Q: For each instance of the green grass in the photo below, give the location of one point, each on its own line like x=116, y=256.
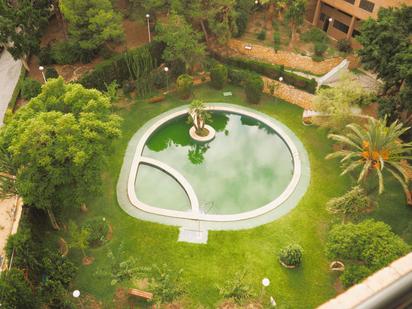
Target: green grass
x=227, y=252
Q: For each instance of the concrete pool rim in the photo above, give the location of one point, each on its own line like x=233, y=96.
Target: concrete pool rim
x=282, y=204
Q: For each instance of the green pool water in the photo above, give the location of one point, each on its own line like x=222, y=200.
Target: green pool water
x=245, y=166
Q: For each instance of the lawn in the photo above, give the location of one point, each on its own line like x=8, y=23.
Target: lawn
x=206, y=266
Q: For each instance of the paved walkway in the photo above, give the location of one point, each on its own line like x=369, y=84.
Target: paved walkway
x=9, y=75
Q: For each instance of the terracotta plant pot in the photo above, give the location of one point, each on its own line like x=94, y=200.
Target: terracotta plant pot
x=337, y=266
x=287, y=266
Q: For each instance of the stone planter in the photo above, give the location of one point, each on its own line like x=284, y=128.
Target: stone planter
x=287, y=266
x=211, y=134
x=337, y=266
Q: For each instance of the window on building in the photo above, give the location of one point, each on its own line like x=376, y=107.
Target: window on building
x=350, y=1
x=322, y=16
x=344, y=13
x=355, y=33
x=367, y=5
x=340, y=26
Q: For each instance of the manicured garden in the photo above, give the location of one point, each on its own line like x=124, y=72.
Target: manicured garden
x=205, y=267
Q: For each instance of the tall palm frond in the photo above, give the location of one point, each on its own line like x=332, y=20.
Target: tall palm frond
x=375, y=147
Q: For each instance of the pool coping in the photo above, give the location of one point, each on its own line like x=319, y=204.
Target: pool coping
x=195, y=218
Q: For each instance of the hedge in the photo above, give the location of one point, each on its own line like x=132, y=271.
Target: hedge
x=272, y=71
x=115, y=68
x=17, y=89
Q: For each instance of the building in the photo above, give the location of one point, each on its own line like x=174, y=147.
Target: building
x=341, y=19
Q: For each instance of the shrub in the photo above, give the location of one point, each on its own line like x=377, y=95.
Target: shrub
x=237, y=76
x=319, y=48
x=261, y=35
x=272, y=71
x=241, y=23
x=98, y=228
x=184, y=84
x=31, y=88
x=236, y=288
x=116, y=68
x=314, y=35
x=344, y=45
x=127, y=87
x=16, y=290
x=354, y=274
x=160, y=79
x=166, y=284
x=218, y=76
x=351, y=204
x=65, y=52
x=370, y=242
x=45, y=56
x=51, y=73
x=276, y=41
x=291, y=255
x=253, y=88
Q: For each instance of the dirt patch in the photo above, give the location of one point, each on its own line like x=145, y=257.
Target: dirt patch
x=87, y=260
x=109, y=235
x=88, y=301
x=338, y=286
x=120, y=298
x=229, y=304
x=286, y=58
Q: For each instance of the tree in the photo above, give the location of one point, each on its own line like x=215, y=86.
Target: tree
x=198, y=115
x=388, y=52
x=79, y=237
x=295, y=15
x=16, y=292
x=384, y=40
x=58, y=144
x=274, y=6
x=373, y=149
x=237, y=288
x=338, y=102
x=370, y=243
x=21, y=25
x=182, y=42
x=91, y=23
x=349, y=205
x=215, y=16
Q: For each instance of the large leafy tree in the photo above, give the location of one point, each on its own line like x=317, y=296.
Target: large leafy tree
x=182, y=42
x=21, y=25
x=387, y=50
x=374, y=148
x=58, y=143
x=91, y=23
x=16, y=292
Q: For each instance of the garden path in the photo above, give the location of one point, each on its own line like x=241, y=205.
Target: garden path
x=9, y=76
x=288, y=59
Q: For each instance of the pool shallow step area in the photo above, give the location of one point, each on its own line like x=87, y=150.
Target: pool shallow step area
x=253, y=172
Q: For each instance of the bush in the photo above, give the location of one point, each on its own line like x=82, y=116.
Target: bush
x=344, y=46
x=65, y=52
x=116, y=68
x=351, y=204
x=218, y=76
x=98, y=228
x=236, y=288
x=291, y=255
x=45, y=56
x=31, y=88
x=127, y=87
x=51, y=73
x=160, y=79
x=314, y=35
x=276, y=41
x=272, y=71
x=241, y=23
x=184, y=84
x=354, y=274
x=253, y=88
x=261, y=35
x=371, y=243
x=238, y=76
x=319, y=48
x=16, y=291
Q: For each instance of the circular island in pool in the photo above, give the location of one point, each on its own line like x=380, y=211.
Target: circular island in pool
x=253, y=171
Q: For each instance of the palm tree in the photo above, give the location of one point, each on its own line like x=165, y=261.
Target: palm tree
x=198, y=115
x=373, y=148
